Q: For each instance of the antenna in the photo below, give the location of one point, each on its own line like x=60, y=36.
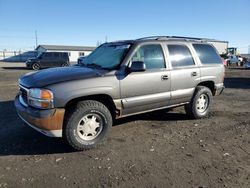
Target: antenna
x=36, y=37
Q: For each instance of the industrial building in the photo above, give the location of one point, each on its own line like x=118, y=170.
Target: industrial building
x=221, y=46
x=73, y=51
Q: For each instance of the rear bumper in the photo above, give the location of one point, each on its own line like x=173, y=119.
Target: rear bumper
x=48, y=122
x=219, y=88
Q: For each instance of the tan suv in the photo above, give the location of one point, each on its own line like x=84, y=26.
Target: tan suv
x=120, y=79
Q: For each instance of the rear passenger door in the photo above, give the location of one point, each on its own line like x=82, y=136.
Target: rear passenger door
x=185, y=74
x=46, y=60
x=57, y=60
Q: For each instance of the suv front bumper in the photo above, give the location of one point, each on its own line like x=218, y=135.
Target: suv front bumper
x=49, y=122
x=28, y=64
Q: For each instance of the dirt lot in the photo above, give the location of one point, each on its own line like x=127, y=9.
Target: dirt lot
x=157, y=149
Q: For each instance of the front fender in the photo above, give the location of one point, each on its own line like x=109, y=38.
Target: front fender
x=66, y=91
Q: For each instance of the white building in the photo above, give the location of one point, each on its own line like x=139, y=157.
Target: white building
x=73, y=51
x=221, y=46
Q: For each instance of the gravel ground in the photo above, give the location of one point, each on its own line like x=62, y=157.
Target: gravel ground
x=159, y=149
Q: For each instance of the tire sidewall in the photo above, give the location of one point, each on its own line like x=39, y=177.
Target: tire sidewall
x=64, y=65
x=199, y=92
x=70, y=129
x=32, y=66
x=102, y=134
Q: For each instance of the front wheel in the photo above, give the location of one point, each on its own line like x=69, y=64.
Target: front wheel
x=87, y=125
x=200, y=104
x=36, y=66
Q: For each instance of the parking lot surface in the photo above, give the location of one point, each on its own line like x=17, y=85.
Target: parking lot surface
x=159, y=149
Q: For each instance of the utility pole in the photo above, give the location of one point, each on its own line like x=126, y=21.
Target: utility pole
x=106, y=38
x=36, y=37
x=248, y=49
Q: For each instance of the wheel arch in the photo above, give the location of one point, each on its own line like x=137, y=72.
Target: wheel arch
x=208, y=84
x=102, y=98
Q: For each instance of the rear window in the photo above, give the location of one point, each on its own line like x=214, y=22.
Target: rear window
x=207, y=54
x=65, y=54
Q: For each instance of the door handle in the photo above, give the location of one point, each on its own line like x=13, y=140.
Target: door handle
x=194, y=74
x=164, y=77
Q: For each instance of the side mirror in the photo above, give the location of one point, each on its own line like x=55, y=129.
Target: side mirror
x=137, y=66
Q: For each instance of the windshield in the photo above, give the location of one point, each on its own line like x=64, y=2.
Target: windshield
x=39, y=55
x=107, y=56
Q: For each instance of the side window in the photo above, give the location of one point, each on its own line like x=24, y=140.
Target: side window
x=48, y=55
x=56, y=55
x=207, y=54
x=151, y=55
x=180, y=56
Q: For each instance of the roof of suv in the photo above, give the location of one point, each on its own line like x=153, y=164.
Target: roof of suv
x=168, y=38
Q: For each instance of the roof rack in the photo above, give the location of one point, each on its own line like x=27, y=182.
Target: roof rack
x=171, y=37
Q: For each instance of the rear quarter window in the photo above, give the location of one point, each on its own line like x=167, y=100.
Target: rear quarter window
x=207, y=54
x=180, y=56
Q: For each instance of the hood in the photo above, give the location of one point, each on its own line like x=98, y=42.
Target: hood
x=55, y=75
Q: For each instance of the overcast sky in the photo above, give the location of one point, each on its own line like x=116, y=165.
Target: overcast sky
x=79, y=22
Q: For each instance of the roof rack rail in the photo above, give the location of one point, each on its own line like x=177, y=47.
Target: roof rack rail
x=151, y=37
x=171, y=37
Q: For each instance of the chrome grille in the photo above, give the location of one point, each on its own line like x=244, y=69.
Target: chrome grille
x=24, y=94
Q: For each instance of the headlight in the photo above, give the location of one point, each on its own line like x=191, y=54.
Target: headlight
x=41, y=98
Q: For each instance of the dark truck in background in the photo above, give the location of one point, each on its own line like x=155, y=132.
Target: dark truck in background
x=119, y=79
x=48, y=59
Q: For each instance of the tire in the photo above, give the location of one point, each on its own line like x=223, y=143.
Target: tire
x=87, y=125
x=36, y=66
x=200, y=104
x=64, y=64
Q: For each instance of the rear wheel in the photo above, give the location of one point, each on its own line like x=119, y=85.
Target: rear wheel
x=64, y=64
x=36, y=66
x=87, y=125
x=200, y=104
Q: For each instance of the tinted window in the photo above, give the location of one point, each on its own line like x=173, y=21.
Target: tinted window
x=180, y=56
x=48, y=55
x=56, y=55
x=151, y=55
x=207, y=54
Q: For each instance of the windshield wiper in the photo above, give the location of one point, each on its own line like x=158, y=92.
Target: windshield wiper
x=93, y=65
